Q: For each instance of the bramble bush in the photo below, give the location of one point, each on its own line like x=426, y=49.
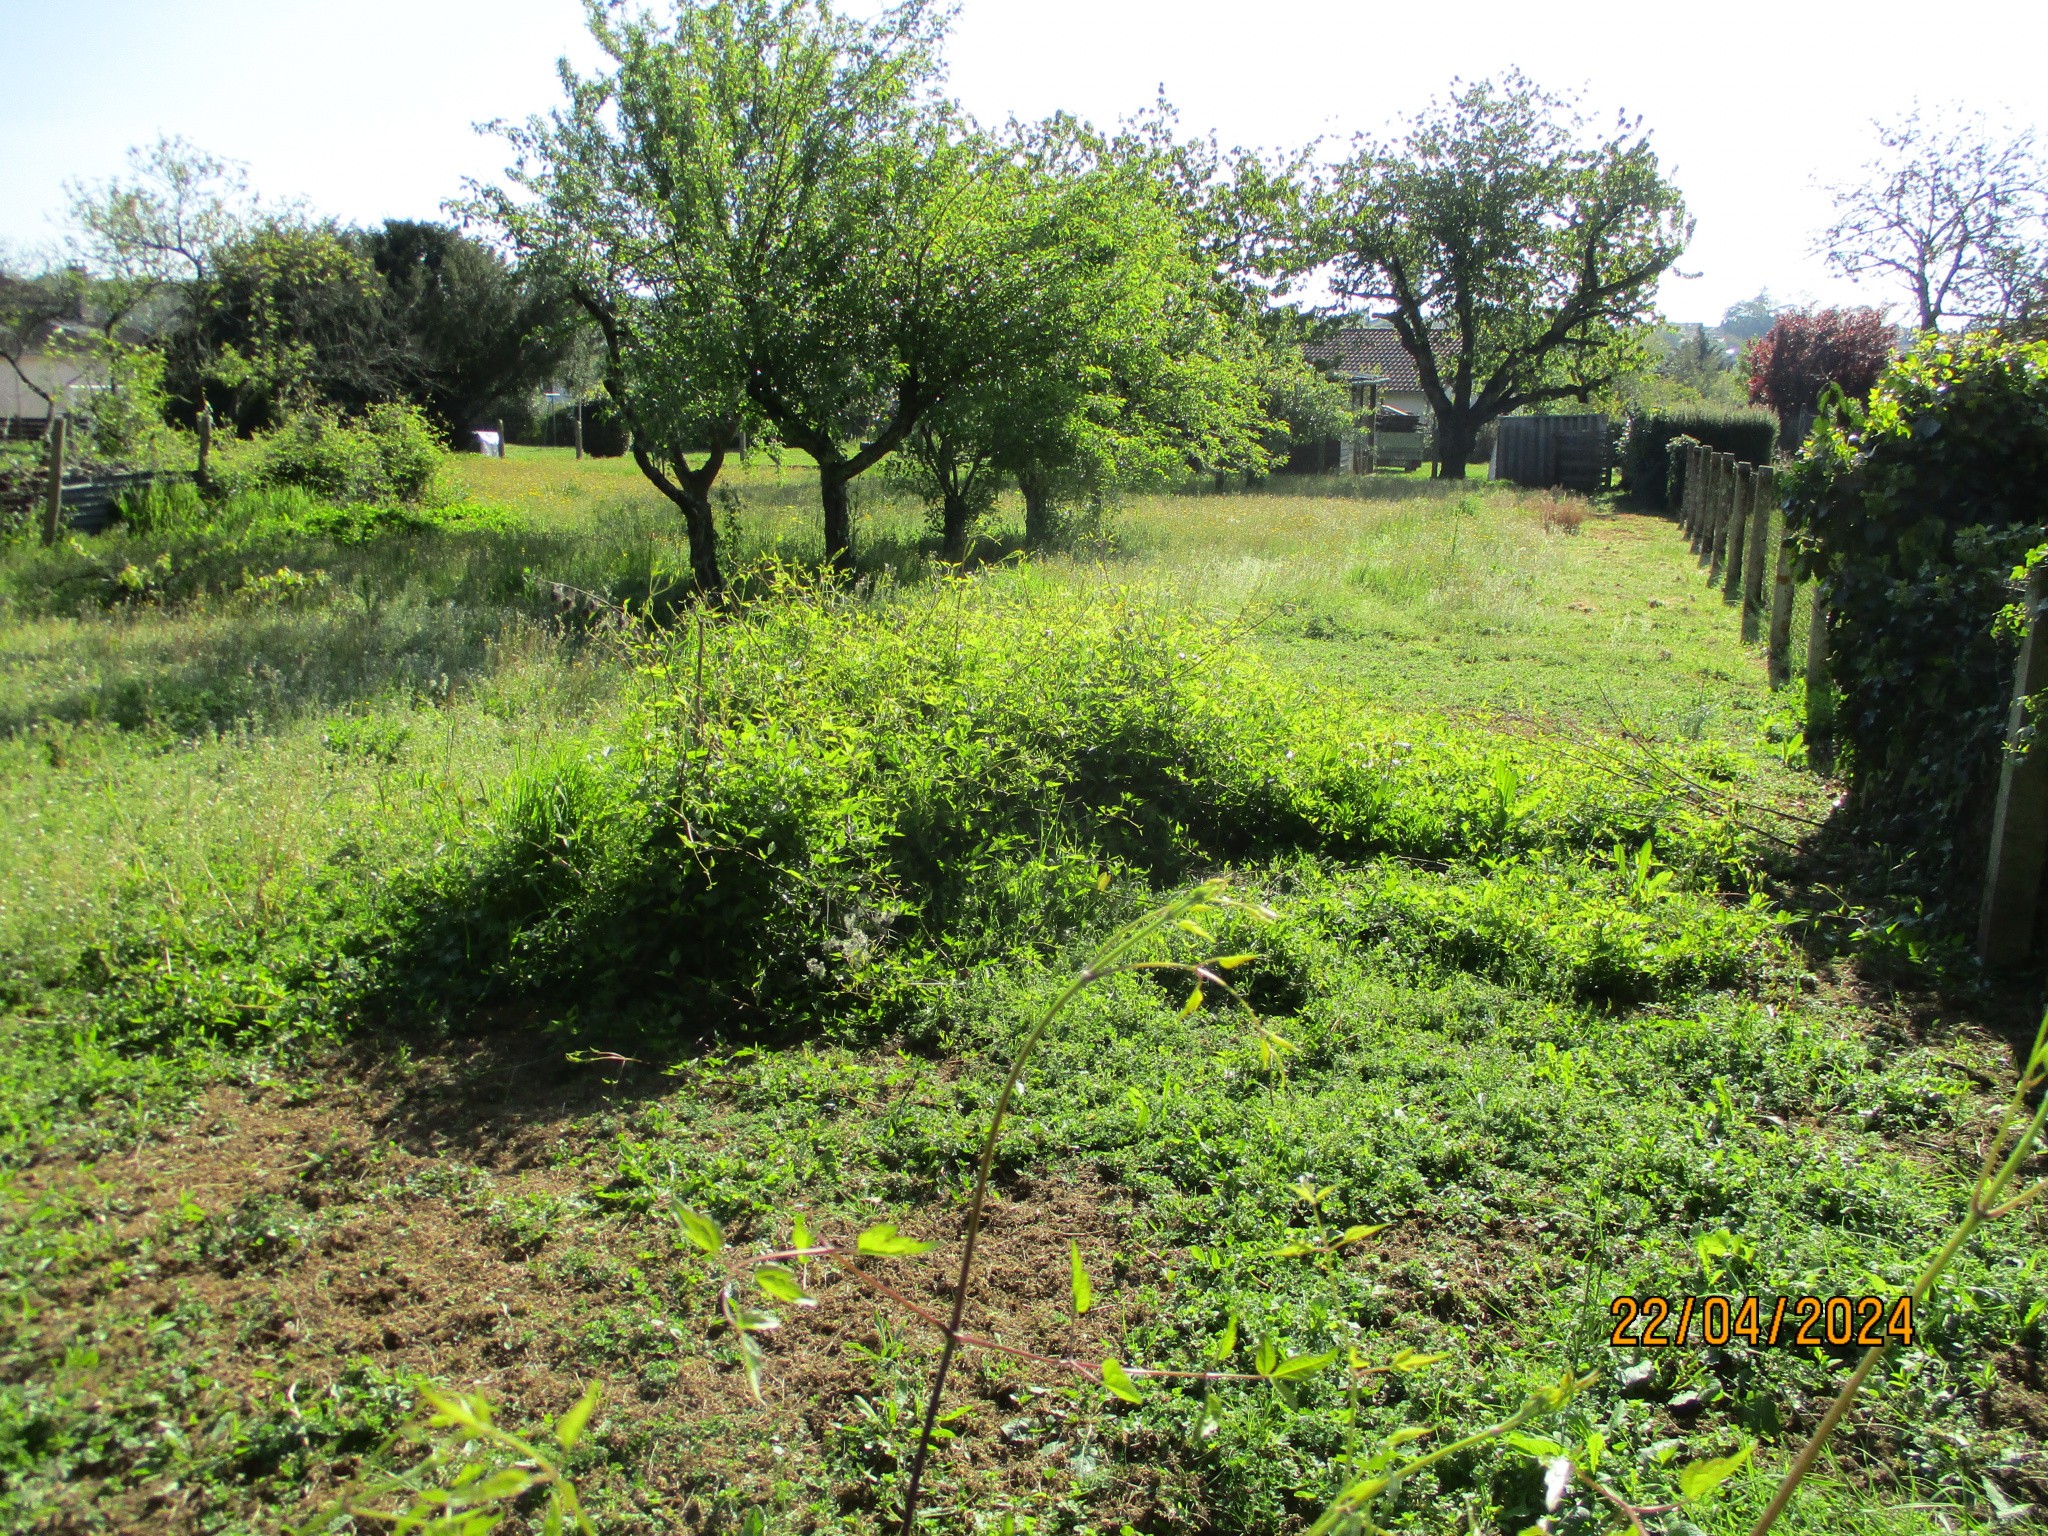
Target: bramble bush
x=854, y=803
x=1917, y=509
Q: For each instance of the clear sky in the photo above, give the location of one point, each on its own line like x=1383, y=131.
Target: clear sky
x=366, y=108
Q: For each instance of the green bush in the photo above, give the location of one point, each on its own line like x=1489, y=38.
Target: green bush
x=390, y=453
x=1645, y=456
x=1916, y=508
x=878, y=801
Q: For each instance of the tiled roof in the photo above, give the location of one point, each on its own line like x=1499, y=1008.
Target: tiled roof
x=1373, y=350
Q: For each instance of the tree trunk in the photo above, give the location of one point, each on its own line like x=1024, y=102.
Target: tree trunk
x=953, y=523
x=694, y=502
x=1453, y=447
x=833, y=480
x=1038, y=516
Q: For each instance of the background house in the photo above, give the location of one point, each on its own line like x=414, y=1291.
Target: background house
x=1368, y=358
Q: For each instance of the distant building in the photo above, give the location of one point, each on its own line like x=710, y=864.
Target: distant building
x=1391, y=414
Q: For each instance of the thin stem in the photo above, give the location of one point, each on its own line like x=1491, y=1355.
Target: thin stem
x=1995, y=1174
x=1108, y=961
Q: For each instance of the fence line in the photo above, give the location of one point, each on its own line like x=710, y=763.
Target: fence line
x=1729, y=511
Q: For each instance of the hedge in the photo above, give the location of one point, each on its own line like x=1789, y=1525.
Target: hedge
x=1645, y=471
x=1919, y=509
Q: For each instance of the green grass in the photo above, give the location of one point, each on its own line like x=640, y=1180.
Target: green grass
x=393, y=944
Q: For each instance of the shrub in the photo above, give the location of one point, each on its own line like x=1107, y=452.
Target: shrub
x=874, y=804
x=1916, y=509
x=391, y=453
x=1805, y=351
x=1646, y=463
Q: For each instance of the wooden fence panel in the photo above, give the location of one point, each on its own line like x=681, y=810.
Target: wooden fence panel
x=1545, y=451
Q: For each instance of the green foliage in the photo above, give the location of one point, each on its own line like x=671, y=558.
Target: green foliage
x=861, y=809
x=1916, y=511
x=1652, y=474
x=1518, y=247
x=390, y=453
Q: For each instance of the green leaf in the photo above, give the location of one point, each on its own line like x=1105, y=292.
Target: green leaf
x=1268, y=1357
x=1401, y=1437
x=1077, y=1274
x=1296, y=1366
x=781, y=1284
x=1533, y=1445
x=882, y=1241
x=1118, y=1380
x=506, y=1484
x=1410, y=1360
x=1194, y=1001
x=750, y=1362
x=1700, y=1478
x=570, y=1429
x=700, y=1230
x=1359, y=1234
x=800, y=1237
x=1232, y=962
x=1226, y=1342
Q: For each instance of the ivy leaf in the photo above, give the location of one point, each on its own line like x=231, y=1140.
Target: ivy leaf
x=882, y=1241
x=1118, y=1380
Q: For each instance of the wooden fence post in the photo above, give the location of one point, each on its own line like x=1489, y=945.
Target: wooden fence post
x=1754, y=549
x=1739, y=503
x=53, y=492
x=2019, y=825
x=1820, y=698
x=1778, y=652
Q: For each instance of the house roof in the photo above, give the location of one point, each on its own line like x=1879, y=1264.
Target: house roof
x=1371, y=353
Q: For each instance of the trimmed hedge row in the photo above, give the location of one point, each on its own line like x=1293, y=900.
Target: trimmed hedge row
x=1920, y=508
x=1645, y=460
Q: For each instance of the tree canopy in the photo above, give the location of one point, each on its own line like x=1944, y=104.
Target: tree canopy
x=1515, y=249
x=1952, y=210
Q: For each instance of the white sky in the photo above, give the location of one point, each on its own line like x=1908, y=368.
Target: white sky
x=365, y=107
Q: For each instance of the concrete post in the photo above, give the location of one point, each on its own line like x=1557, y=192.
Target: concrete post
x=2019, y=824
x=1739, y=505
x=1778, y=653
x=1763, y=493
x=1820, y=697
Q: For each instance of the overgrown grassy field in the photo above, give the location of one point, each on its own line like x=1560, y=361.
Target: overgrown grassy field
x=405, y=918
